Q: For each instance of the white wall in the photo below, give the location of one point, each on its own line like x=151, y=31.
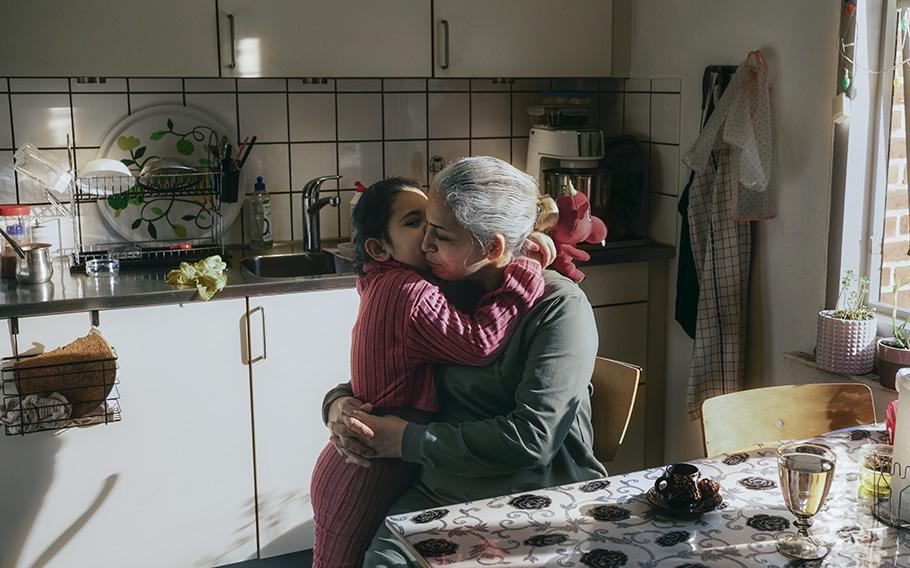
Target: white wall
x=799, y=40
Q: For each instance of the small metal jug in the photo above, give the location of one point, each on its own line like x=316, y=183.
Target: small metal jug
x=36, y=266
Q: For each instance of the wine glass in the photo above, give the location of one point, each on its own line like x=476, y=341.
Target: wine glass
x=806, y=471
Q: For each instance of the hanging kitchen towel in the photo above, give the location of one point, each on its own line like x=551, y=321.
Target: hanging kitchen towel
x=742, y=122
x=721, y=244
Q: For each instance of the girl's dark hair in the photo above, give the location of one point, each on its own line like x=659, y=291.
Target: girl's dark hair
x=371, y=215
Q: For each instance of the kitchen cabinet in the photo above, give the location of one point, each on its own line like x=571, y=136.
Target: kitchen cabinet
x=171, y=484
x=108, y=38
x=311, y=38
x=525, y=38
x=300, y=347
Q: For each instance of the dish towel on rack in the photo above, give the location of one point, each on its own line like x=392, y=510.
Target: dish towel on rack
x=731, y=160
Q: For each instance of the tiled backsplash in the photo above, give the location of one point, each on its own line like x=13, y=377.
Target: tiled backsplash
x=363, y=129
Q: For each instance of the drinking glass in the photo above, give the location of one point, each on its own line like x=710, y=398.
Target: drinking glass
x=806, y=471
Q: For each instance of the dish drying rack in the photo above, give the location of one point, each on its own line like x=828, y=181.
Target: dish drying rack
x=154, y=194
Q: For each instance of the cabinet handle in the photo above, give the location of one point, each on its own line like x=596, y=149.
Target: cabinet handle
x=445, y=44
x=233, y=62
x=264, y=355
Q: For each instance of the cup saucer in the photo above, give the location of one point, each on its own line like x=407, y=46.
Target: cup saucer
x=704, y=505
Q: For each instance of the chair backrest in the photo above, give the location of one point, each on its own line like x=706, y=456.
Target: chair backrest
x=615, y=386
x=743, y=419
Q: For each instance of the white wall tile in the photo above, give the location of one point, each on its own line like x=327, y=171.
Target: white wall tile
x=39, y=85
x=43, y=120
x=405, y=115
x=482, y=85
x=359, y=116
x=521, y=124
x=490, y=114
x=637, y=115
x=344, y=213
x=448, y=84
x=310, y=161
x=139, y=101
x=261, y=85
x=233, y=234
x=111, y=85
x=520, y=153
x=449, y=115
x=354, y=85
x=408, y=159
x=637, y=85
x=6, y=133
x=359, y=161
x=665, y=118
x=404, y=85
x=666, y=85
x=535, y=85
x=662, y=218
x=450, y=150
x=210, y=85
x=84, y=156
x=274, y=167
x=7, y=178
x=264, y=115
x=94, y=115
x=299, y=86
x=611, y=84
x=33, y=192
x=4, y=85
x=220, y=105
x=312, y=117
x=497, y=147
x=664, y=169
x=281, y=216
x=173, y=85
x=611, y=113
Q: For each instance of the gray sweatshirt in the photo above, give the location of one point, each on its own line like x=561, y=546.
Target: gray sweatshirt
x=523, y=422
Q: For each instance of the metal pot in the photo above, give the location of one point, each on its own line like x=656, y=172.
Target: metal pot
x=593, y=183
x=36, y=266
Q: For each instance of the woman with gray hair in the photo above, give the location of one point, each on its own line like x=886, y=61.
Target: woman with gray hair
x=523, y=422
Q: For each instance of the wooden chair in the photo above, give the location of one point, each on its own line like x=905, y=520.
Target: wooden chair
x=741, y=420
x=615, y=386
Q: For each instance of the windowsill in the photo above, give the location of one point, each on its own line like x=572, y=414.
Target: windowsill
x=808, y=360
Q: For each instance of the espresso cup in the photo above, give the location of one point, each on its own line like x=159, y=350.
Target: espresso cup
x=678, y=486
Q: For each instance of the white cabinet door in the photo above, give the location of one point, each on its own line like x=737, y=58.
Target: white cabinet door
x=307, y=351
x=316, y=38
x=108, y=38
x=171, y=484
x=523, y=38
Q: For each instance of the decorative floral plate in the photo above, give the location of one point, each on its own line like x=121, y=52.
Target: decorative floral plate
x=167, y=131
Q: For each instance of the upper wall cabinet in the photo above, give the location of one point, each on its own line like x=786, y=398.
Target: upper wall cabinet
x=525, y=38
x=318, y=38
x=108, y=38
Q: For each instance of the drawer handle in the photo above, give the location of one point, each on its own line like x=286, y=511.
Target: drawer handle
x=233, y=63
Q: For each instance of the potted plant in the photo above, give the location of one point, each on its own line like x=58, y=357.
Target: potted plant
x=845, y=342
x=894, y=352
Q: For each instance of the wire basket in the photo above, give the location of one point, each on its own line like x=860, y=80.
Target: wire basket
x=889, y=508
x=57, y=396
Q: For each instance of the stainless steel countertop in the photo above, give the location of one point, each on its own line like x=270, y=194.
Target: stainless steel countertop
x=69, y=292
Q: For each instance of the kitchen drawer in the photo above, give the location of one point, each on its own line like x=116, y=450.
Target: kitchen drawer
x=615, y=283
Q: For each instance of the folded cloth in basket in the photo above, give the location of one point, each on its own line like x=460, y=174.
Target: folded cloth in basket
x=35, y=413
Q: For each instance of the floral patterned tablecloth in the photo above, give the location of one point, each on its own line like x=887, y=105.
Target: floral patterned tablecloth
x=608, y=523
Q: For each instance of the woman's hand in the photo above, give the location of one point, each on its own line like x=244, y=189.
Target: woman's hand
x=388, y=432
x=540, y=247
x=348, y=431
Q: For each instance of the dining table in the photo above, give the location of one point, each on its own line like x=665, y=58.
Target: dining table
x=609, y=523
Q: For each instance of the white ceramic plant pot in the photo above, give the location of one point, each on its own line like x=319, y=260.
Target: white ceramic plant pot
x=845, y=347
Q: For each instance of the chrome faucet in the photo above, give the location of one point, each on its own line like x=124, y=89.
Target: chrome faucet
x=312, y=203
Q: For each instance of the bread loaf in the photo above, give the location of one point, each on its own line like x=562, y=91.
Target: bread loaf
x=82, y=371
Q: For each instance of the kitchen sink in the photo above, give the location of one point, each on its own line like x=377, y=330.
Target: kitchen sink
x=290, y=265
